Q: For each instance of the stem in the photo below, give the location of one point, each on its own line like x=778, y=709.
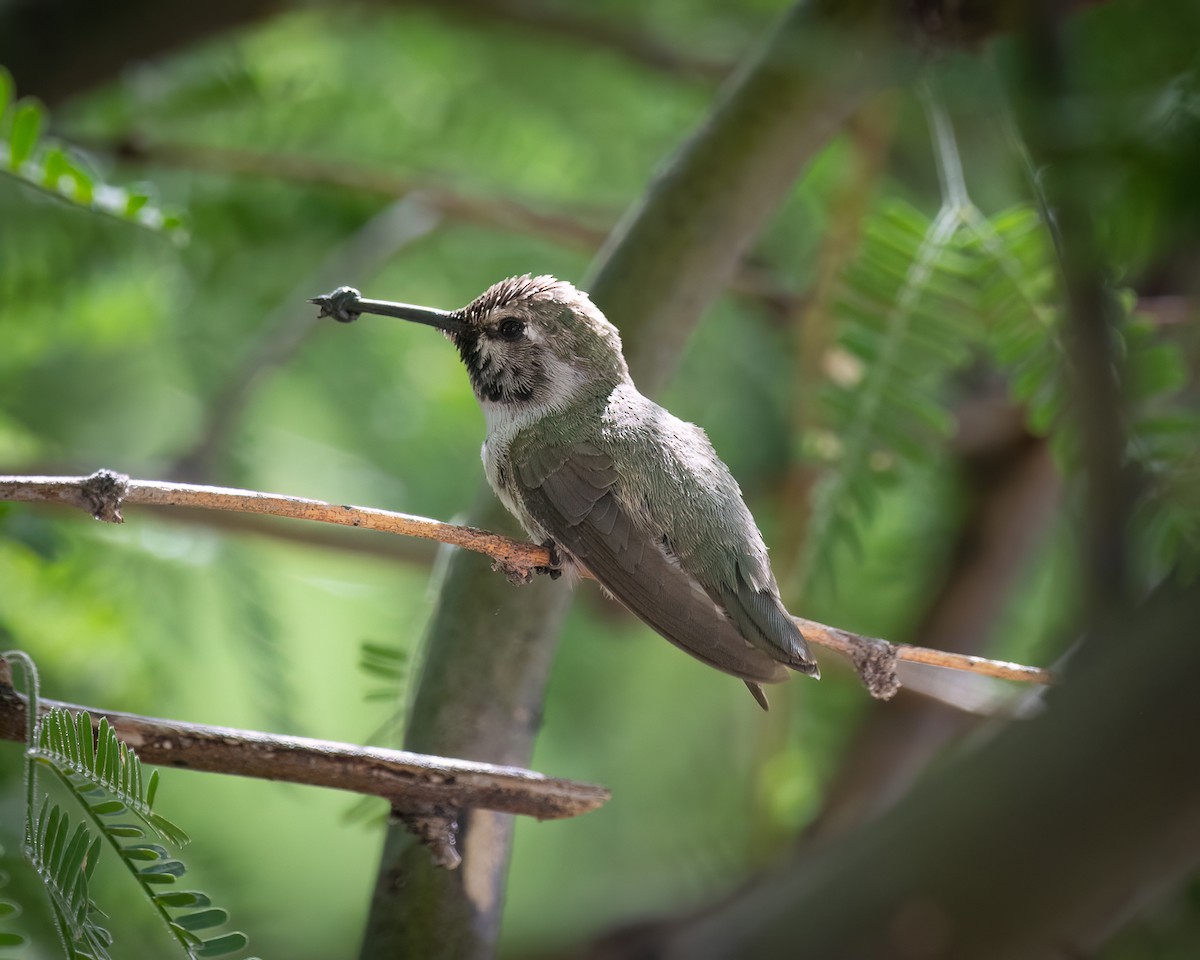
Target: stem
x=31, y=679
x=945, y=152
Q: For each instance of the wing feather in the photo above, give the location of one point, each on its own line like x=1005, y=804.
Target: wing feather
x=571, y=491
x=761, y=618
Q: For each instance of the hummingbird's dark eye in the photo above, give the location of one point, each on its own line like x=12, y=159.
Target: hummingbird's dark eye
x=511, y=329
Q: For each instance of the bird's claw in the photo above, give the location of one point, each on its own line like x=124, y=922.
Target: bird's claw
x=553, y=569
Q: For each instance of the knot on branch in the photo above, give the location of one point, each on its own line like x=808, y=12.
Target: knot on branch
x=875, y=662
x=437, y=829
x=520, y=568
x=338, y=304
x=102, y=494
x=518, y=573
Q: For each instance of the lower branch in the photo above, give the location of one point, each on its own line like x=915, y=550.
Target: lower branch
x=415, y=784
x=104, y=493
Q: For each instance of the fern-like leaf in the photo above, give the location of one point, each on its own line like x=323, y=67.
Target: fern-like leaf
x=106, y=777
x=902, y=329
x=1019, y=302
x=102, y=769
x=65, y=860
x=386, y=664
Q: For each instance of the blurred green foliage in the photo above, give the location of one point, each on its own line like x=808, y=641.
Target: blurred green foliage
x=117, y=343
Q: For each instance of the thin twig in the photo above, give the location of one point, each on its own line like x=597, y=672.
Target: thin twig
x=105, y=492
x=409, y=781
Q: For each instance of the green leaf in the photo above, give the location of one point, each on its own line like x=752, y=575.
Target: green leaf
x=127, y=831
x=162, y=871
x=26, y=128
x=93, y=857
x=182, y=899
x=204, y=919
x=173, y=833
x=109, y=807
x=73, y=860
x=189, y=940
x=220, y=946
x=54, y=167
x=80, y=186
x=134, y=202
x=152, y=788
x=145, y=851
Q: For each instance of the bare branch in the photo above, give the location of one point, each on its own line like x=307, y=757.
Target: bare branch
x=411, y=782
x=104, y=493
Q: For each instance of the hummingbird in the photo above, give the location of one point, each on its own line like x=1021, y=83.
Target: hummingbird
x=609, y=480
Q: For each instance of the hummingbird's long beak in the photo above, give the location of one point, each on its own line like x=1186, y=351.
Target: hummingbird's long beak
x=346, y=305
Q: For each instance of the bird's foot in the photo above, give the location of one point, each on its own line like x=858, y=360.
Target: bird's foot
x=554, y=569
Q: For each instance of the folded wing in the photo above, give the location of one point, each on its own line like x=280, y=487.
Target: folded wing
x=572, y=493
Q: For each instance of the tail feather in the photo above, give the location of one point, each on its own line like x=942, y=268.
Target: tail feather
x=758, y=693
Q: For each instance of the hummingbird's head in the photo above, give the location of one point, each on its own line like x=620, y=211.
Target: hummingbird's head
x=530, y=344
x=536, y=342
